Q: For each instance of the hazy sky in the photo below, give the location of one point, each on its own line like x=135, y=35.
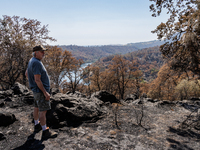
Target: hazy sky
x=89, y=22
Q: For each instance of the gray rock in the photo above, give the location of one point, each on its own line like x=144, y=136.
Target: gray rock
x=2, y=137
x=77, y=94
x=55, y=91
x=7, y=119
x=7, y=93
x=73, y=110
x=19, y=89
x=105, y=96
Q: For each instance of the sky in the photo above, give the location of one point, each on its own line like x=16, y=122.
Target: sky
x=89, y=22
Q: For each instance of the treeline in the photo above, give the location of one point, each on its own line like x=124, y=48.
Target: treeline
x=149, y=61
x=158, y=80
x=94, y=53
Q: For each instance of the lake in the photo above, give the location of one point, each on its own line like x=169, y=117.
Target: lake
x=83, y=66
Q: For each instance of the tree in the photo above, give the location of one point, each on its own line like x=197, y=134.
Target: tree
x=17, y=38
x=107, y=81
x=74, y=72
x=95, y=78
x=187, y=89
x=123, y=72
x=181, y=32
x=56, y=61
x=163, y=87
x=87, y=80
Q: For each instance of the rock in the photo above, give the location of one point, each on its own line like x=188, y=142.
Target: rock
x=2, y=104
x=129, y=99
x=2, y=137
x=144, y=95
x=7, y=119
x=105, y=97
x=7, y=93
x=55, y=91
x=73, y=110
x=77, y=94
x=194, y=99
x=19, y=89
x=8, y=99
x=28, y=99
x=151, y=100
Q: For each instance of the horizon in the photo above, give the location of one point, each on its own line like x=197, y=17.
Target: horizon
x=109, y=44
x=90, y=22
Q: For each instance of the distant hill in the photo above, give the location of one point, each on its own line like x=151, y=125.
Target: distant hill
x=142, y=45
x=149, y=61
x=93, y=53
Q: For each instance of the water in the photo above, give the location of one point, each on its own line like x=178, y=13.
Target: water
x=83, y=66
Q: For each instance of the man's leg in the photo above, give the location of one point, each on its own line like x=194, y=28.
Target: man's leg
x=36, y=113
x=44, y=105
x=42, y=118
x=37, y=127
x=46, y=133
x=36, y=110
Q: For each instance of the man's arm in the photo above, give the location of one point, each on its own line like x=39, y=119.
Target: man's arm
x=41, y=87
x=26, y=74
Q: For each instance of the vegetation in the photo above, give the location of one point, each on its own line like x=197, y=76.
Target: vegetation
x=57, y=61
x=170, y=71
x=181, y=49
x=94, y=53
x=181, y=32
x=17, y=37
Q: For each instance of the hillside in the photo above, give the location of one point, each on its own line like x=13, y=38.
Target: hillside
x=149, y=61
x=141, y=45
x=93, y=53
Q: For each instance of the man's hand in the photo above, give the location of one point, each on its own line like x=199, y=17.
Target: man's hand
x=41, y=87
x=47, y=96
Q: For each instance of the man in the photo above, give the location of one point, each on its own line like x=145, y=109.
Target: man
x=40, y=85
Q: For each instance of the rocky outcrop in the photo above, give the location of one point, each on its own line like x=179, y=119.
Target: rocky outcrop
x=100, y=122
x=19, y=89
x=73, y=109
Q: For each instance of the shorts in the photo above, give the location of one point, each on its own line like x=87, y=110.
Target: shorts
x=40, y=102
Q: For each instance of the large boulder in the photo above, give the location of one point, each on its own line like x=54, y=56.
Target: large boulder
x=73, y=110
x=105, y=97
x=7, y=119
x=19, y=89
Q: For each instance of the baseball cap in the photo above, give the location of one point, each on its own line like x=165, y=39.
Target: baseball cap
x=39, y=48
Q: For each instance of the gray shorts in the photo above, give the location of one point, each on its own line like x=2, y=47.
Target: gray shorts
x=40, y=102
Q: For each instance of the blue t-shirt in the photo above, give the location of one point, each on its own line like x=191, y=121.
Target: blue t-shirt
x=35, y=67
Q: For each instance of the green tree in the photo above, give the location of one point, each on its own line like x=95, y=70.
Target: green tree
x=187, y=89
